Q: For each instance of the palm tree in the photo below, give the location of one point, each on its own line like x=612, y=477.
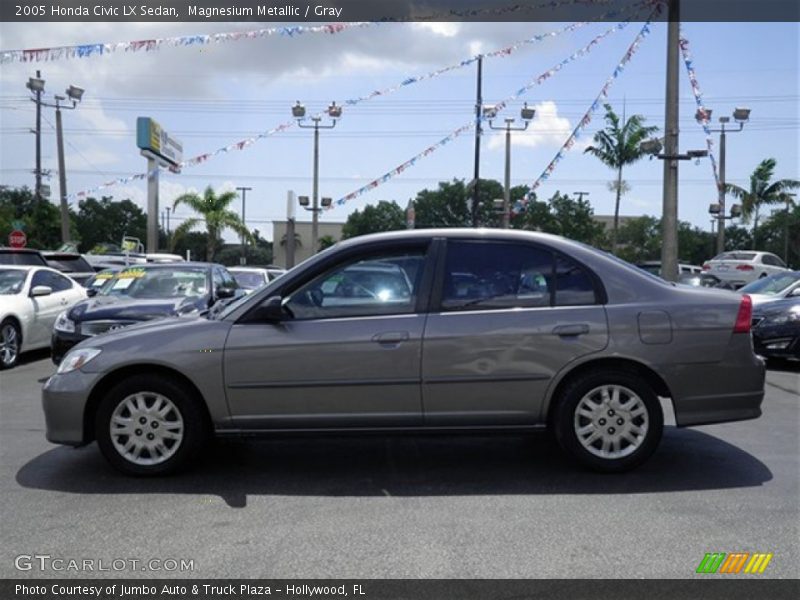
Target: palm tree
x=216, y=214
x=762, y=192
x=618, y=146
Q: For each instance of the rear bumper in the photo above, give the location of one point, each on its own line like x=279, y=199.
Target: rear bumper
x=729, y=390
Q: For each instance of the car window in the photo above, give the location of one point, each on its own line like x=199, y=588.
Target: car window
x=12, y=281
x=574, y=286
x=381, y=284
x=70, y=264
x=735, y=256
x=770, y=285
x=21, y=258
x=58, y=283
x=249, y=280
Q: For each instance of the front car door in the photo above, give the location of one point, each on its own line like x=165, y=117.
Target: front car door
x=348, y=352
x=47, y=308
x=505, y=318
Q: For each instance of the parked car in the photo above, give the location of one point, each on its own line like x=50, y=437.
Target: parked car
x=538, y=331
x=251, y=278
x=102, y=278
x=141, y=293
x=21, y=256
x=71, y=264
x=740, y=267
x=161, y=257
x=30, y=299
x=654, y=267
x=704, y=280
x=774, y=287
x=776, y=329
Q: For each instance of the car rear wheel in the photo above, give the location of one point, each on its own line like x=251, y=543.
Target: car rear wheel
x=609, y=421
x=10, y=342
x=149, y=425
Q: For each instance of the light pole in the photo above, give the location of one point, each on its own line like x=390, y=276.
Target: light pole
x=244, y=190
x=168, y=236
x=490, y=112
x=741, y=116
x=75, y=94
x=36, y=85
x=299, y=113
x=789, y=198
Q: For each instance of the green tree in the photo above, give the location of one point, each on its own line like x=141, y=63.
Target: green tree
x=194, y=241
x=773, y=235
x=106, y=221
x=449, y=205
x=640, y=239
x=617, y=146
x=326, y=241
x=737, y=238
x=762, y=191
x=41, y=220
x=561, y=215
x=383, y=216
x=217, y=215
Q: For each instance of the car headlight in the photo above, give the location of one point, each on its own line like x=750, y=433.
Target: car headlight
x=75, y=359
x=792, y=316
x=64, y=323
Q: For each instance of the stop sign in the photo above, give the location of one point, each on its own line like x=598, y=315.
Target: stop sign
x=17, y=239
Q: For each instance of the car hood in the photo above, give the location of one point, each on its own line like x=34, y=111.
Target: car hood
x=132, y=309
x=776, y=307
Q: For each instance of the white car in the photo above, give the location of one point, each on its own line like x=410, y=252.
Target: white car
x=251, y=278
x=740, y=267
x=31, y=298
x=774, y=287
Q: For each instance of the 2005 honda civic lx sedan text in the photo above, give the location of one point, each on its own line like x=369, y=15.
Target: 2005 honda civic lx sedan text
x=438, y=330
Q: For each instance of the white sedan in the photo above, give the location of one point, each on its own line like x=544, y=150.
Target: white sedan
x=31, y=298
x=740, y=267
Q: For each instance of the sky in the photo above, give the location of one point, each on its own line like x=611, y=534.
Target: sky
x=211, y=96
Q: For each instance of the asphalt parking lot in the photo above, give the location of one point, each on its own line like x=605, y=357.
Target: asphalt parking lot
x=406, y=506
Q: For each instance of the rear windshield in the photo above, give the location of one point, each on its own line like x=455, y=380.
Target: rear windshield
x=735, y=256
x=70, y=264
x=21, y=258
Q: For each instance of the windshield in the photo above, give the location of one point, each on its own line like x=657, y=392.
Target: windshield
x=21, y=258
x=102, y=279
x=12, y=281
x=735, y=256
x=249, y=280
x=773, y=284
x=70, y=264
x=140, y=282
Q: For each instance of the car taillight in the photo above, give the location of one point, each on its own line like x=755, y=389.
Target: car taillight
x=706, y=267
x=745, y=315
x=744, y=267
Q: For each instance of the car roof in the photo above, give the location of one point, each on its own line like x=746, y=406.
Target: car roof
x=23, y=250
x=174, y=265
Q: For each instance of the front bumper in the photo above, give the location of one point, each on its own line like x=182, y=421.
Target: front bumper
x=777, y=346
x=62, y=342
x=64, y=399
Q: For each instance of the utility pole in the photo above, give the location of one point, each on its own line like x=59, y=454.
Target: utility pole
x=244, y=190
x=62, y=173
x=290, y=241
x=669, y=218
x=38, y=100
x=786, y=230
x=168, y=236
x=580, y=195
x=478, y=131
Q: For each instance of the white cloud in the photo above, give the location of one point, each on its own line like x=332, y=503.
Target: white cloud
x=444, y=29
x=546, y=129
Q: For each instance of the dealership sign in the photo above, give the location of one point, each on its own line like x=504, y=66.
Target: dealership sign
x=151, y=137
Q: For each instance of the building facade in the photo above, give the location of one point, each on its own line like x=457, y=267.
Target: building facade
x=302, y=231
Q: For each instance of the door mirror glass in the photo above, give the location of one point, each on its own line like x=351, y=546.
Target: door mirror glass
x=271, y=310
x=225, y=292
x=91, y=292
x=41, y=290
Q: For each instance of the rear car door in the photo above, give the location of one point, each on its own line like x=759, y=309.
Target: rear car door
x=510, y=316
x=47, y=308
x=349, y=355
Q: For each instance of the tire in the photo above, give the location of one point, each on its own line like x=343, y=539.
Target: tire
x=173, y=431
x=626, y=430
x=10, y=344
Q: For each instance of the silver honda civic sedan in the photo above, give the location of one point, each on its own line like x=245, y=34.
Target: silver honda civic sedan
x=434, y=330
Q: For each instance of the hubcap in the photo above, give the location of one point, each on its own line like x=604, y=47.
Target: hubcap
x=146, y=428
x=629, y=415
x=9, y=344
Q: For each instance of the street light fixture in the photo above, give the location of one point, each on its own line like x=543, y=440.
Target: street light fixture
x=741, y=115
x=75, y=94
x=527, y=114
x=333, y=111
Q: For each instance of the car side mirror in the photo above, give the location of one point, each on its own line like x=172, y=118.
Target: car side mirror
x=91, y=292
x=271, y=310
x=795, y=292
x=226, y=292
x=41, y=290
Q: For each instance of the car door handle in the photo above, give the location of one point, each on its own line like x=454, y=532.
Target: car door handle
x=571, y=330
x=390, y=338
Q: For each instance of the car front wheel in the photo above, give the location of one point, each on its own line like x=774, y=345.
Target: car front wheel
x=609, y=421
x=149, y=425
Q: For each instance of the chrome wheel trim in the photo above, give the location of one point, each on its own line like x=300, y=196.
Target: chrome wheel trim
x=146, y=428
x=611, y=421
x=9, y=344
